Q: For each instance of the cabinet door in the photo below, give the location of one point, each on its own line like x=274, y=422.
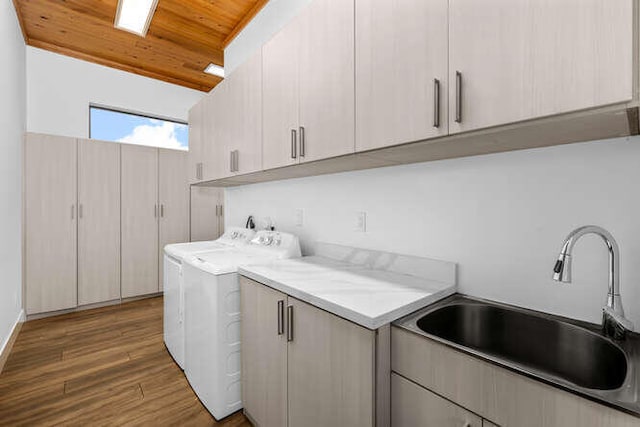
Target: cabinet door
x=98, y=221
x=245, y=117
x=50, y=226
x=264, y=354
x=412, y=405
x=206, y=213
x=326, y=78
x=522, y=59
x=217, y=127
x=196, y=141
x=173, y=191
x=401, y=50
x=139, y=220
x=280, y=57
x=331, y=370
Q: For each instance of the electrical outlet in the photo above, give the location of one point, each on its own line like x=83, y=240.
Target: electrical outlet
x=299, y=217
x=361, y=222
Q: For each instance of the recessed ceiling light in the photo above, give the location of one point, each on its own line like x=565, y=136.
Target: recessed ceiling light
x=214, y=69
x=135, y=15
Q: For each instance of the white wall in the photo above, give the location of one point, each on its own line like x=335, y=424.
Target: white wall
x=60, y=89
x=12, y=123
x=264, y=25
x=502, y=217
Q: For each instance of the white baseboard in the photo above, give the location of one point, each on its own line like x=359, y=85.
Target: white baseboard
x=7, y=343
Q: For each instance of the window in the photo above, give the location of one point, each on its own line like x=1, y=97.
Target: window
x=119, y=126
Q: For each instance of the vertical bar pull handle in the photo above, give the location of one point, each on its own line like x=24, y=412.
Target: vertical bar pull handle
x=303, y=148
x=155, y=211
x=217, y=210
x=290, y=323
x=280, y=317
x=436, y=103
x=294, y=143
x=73, y=211
x=237, y=161
x=80, y=211
x=162, y=210
x=458, y=97
x=231, y=161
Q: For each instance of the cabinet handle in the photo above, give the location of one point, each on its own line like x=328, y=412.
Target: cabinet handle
x=217, y=206
x=80, y=211
x=237, y=161
x=155, y=211
x=162, y=210
x=231, y=161
x=290, y=323
x=221, y=210
x=280, y=317
x=294, y=144
x=458, y=97
x=73, y=211
x=199, y=171
x=436, y=103
x=302, y=142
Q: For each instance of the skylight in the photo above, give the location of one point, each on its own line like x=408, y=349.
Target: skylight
x=135, y=15
x=214, y=69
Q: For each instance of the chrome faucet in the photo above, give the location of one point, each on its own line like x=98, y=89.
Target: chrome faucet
x=614, y=323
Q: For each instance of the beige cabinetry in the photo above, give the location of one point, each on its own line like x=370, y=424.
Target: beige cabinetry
x=96, y=217
x=401, y=59
x=264, y=354
x=308, y=69
x=50, y=184
x=412, y=405
x=280, y=100
x=330, y=364
x=519, y=60
x=140, y=213
x=173, y=198
x=196, y=142
x=98, y=222
x=499, y=395
x=298, y=361
x=207, y=213
x=326, y=80
x=242, y=118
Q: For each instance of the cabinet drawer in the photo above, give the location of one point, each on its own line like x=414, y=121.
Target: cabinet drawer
x=412, y=405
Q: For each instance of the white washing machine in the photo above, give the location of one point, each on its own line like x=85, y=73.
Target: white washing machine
x=173, y=285
x=212, y=317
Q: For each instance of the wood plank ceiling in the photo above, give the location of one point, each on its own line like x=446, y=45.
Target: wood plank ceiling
x=184, y=36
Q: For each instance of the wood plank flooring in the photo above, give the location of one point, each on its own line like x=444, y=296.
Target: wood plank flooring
x=102, y=367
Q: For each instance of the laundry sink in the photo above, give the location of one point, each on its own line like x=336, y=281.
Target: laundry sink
x=531, y=341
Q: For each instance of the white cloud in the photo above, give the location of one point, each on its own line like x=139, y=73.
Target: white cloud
x=158, y=134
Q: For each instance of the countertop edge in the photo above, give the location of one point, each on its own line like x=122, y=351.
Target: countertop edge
x=348, y=314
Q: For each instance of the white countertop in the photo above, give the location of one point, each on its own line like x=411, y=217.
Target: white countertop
x=371, y=297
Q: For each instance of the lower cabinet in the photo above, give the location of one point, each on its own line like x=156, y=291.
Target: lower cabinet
x=302, y=366
x=446, y=381
x=412, y=405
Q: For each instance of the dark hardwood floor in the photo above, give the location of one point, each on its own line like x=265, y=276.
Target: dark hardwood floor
x=102, y=367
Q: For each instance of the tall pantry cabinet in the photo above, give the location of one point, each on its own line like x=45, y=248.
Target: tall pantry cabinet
x=97, y=215
x=50, y=213
x=98, y=222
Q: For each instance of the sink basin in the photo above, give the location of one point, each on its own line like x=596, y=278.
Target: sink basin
x=556, y=348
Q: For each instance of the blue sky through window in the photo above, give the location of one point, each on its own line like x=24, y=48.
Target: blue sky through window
x=108, y=125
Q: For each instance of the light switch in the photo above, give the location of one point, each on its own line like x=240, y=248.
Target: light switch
x=361, y=222
x=299, y=217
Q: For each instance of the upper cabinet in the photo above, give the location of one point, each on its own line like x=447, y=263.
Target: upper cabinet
x=196, y=142
x=326, y=80
x=520, y=59
x=401, y=71
x=308, y=105
x=242, y=114
x=280, y=97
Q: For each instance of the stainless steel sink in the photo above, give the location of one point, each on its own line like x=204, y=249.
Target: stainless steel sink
x=572, y=355
x=557, y=348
